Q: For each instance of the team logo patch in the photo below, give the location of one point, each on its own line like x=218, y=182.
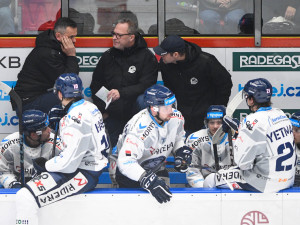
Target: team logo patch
x=132, y=69
x=128, y=153
x=194, y=80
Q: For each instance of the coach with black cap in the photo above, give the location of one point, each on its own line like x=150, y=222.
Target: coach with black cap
x=197, y=79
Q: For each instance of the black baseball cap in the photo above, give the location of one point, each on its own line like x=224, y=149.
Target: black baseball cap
x=172, y=43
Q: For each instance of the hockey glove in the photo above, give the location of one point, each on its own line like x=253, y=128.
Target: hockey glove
x=156, y=186
x=55, y=114
x=230, y=123
x=183, y=159
x=39, y=165
x=15, y=184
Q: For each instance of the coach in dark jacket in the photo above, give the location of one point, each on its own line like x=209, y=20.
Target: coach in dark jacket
x=197, y=79
x=53, y=55
x=126, y=70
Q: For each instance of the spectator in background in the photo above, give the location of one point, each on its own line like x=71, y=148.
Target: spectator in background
x=281, y=17
x=53, y=55
x=295, y=120
x=108, y=12
x=126, y=70
x=287, y=9
x=7, y=25
x=174, y=26
x=38, y=142
x=220, y=16
x=197, y=79
x=131, y=16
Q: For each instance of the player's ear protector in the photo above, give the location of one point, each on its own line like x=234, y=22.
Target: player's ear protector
x=155, y=109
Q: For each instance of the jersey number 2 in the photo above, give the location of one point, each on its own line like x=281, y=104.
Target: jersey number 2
x=281, y=159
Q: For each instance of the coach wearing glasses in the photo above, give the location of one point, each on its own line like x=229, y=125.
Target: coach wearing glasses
x=126, y=70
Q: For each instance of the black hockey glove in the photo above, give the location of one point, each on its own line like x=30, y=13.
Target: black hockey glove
x=15, y=184
x=55, y=114
x=156, y=186
x=39, y=165
x=229, y=123
x=183, y=159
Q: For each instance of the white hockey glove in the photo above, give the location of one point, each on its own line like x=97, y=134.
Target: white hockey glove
x=183, y=159
x=156, y=186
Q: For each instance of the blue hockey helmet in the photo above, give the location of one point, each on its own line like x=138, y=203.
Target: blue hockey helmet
x=158, y=95
x=260, y=89
x=215, y=112
x=295, y=119
x=69, y=84
x=34, y=121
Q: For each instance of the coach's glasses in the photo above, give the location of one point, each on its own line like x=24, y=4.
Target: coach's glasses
x=118, y=36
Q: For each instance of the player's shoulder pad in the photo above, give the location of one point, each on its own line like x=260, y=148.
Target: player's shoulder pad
x=141, y=125
x=196, y=138
x=177, y=114
x=9, y=141
x=82, y=110
x=250, y=122
x=51, y=141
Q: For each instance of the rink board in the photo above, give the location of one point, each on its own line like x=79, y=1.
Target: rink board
x=188, y=206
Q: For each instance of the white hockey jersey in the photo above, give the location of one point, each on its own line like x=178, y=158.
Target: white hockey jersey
x=264, y=150
x=297, y=176
x=203, y=161
x=10, y=157
x=83, y=138
x=145, y=145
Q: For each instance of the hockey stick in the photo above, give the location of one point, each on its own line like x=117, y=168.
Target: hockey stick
x=231, y=107
x=16, y=98
x=54, y=141
x=217, y=137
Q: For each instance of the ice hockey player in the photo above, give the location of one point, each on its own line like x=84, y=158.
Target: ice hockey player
x=38, y=142
x=264, y=149
x=203, y=160
x=147, y=140
x=295, y=120
x=81, y=161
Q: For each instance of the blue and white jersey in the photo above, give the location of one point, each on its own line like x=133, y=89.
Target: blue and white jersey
x=265, y=151
x=10, y=157
x=203, y=161
x=145, y=145
x=297, y=176
x=83, y=138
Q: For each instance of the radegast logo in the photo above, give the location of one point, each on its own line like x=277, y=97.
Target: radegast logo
x=88, y=61
x=266, y=61
x=3, y=95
